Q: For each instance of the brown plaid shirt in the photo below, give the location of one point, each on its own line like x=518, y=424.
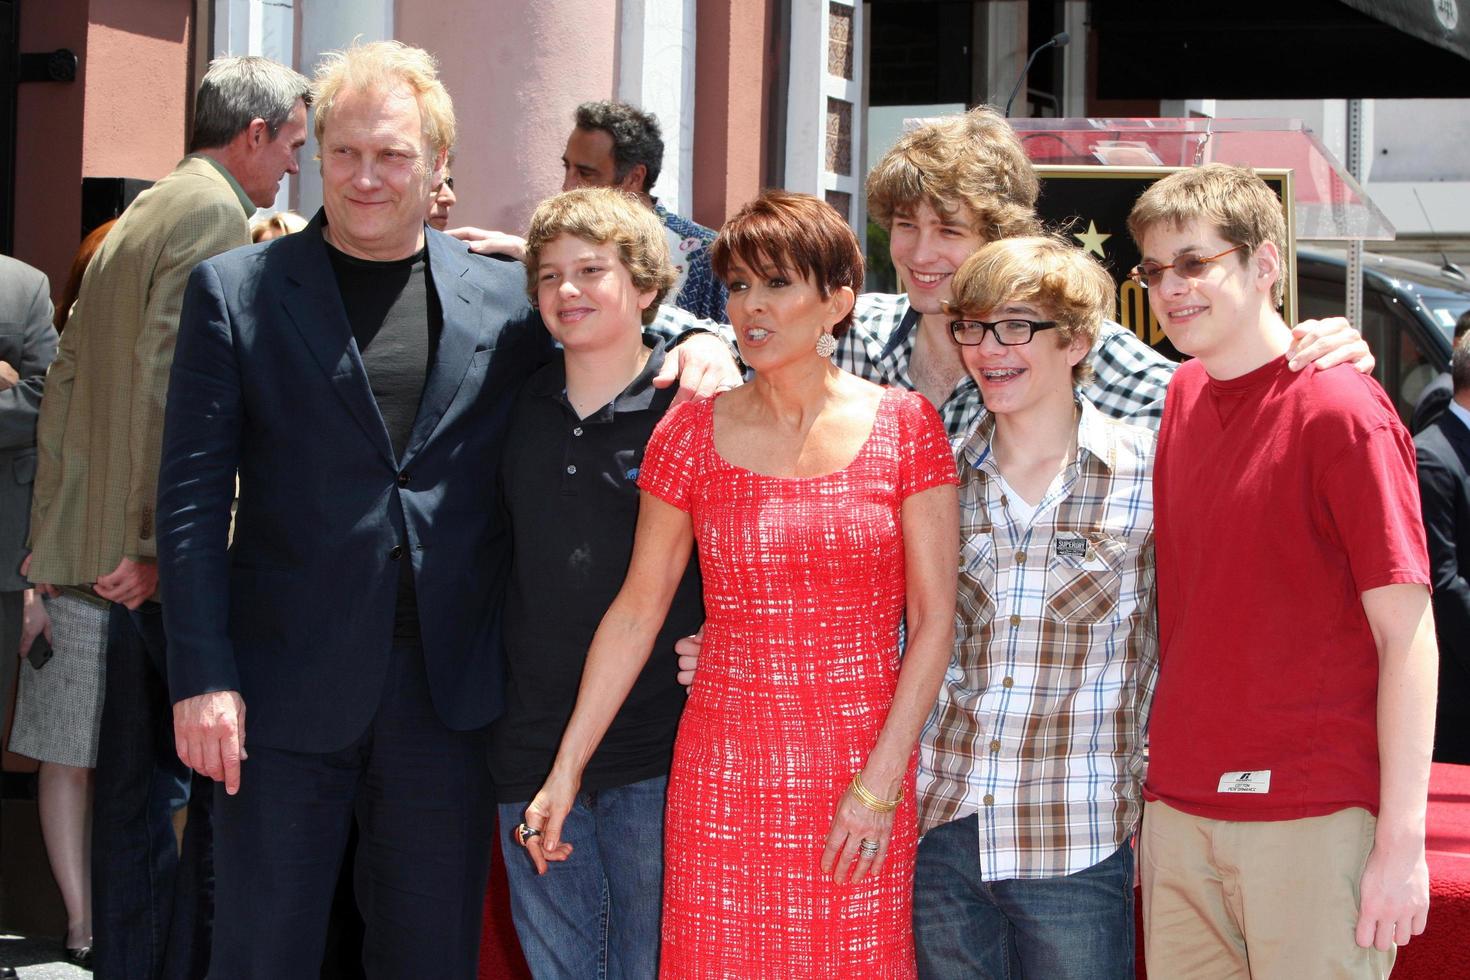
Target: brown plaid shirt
x=1039, y=725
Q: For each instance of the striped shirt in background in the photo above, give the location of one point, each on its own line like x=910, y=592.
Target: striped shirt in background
x=1040, y=722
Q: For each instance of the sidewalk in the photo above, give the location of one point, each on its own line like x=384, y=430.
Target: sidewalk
x=37, y=959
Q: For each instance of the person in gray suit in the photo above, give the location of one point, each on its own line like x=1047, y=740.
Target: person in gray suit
x=27, y=347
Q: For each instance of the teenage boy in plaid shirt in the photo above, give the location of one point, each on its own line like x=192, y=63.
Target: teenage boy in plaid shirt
x=1030, y=766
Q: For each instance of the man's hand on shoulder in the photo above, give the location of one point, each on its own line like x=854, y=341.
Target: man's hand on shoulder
x=702, y=365
x=130, y=584
x=1394, y=900
x=1328, y=343
x=209, y=735
x=485, y=242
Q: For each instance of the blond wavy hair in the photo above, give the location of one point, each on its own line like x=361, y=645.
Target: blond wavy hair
x=973, y=160
x=1045, y=271
x=605, y=215
x=386, y=66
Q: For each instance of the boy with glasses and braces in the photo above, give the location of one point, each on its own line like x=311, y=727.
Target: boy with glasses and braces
x=1035, y=748
x=1291, y=730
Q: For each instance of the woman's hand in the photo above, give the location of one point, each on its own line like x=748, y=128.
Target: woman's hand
x=34, y=621
x=540, y=832
x=845, y=858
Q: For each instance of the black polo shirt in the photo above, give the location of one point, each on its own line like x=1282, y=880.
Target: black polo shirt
x=570, y=490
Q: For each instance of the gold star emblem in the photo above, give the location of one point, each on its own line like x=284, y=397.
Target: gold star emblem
x=1092, y=239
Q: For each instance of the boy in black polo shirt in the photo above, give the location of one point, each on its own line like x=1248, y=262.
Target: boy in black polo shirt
x=597, y=266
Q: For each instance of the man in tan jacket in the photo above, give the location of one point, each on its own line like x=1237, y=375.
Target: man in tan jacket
x=92, y=522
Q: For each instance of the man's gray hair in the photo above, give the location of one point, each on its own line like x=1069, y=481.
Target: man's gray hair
x=1460, y=364
x=236, y=91
x=636, y=137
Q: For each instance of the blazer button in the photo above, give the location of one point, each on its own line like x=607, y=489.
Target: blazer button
x=403, y=479
x=396, y=553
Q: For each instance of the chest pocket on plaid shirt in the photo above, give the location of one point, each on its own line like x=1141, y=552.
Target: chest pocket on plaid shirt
x=1083, y=587
x=977, y=577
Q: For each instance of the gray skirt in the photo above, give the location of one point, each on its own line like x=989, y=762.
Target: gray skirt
x=58, y=708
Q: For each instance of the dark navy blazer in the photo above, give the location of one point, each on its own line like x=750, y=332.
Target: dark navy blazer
x=297, y=615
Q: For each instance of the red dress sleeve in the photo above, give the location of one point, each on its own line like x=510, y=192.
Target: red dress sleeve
x=924, y=457
x=673, y=458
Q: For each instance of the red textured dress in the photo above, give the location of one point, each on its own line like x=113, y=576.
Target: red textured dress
x=803, y=594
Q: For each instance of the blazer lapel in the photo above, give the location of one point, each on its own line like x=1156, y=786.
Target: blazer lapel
x=465, y=315
x=314, y=305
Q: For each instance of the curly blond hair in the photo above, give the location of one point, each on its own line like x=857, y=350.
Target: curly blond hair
x=974, y=160
x=603, y=215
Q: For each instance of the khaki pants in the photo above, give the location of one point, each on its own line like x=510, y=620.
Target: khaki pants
x=1258, y=899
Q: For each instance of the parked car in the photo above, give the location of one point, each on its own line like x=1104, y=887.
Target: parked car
x=1409, y=314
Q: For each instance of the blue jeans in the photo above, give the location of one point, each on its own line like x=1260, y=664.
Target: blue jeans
x=596, y=914
x=151, y=906
x=1076, y=927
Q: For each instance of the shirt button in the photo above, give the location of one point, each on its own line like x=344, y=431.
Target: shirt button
x=396, y=552
x=1015, y=621
x=571, y=471
x=995, y=745
x=1008, y=682
x=403, y=479
x=1003, y=501
x=989, y=800
x=1020, y=558
x=577, y=431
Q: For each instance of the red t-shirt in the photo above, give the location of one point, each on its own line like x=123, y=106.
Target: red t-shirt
x=1279, y=498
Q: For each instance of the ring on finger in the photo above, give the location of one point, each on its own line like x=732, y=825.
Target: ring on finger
x=525, y=833
x=868, y=847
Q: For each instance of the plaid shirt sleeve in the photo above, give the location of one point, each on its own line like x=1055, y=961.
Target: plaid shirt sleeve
x=1131, y=377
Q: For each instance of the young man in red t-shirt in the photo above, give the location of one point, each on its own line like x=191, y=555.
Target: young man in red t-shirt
x=1291, y=728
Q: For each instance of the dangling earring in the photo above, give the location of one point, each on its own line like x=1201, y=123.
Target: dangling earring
x=826, y=345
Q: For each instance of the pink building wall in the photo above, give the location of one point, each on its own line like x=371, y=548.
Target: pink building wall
x=516, y=72
x=122, y=117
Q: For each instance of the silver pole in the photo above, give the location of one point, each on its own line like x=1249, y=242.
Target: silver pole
x=1355, y=247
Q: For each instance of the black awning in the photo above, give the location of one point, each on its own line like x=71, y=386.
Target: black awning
x=1270, y=49
x=1443, y=23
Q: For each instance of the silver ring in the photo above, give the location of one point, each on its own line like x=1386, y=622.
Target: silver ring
x=524, y=834
x=868, y=847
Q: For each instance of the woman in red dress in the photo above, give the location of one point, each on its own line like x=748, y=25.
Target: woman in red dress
x=825, y=512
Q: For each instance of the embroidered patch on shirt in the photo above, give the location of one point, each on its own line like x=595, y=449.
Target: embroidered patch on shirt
x=1070, y=546
x=1248, y=781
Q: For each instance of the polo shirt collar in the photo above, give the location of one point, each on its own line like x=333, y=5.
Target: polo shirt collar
x=636, y=397
x=224, y=172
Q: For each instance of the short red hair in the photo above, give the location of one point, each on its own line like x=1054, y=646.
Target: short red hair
x=782, y=231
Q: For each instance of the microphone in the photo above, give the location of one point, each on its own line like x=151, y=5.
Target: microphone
x=1058, y=40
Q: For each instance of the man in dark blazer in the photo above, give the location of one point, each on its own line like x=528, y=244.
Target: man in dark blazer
x=27, y=346
x=1435, y=397
x=358, y=376
x=1443, y=451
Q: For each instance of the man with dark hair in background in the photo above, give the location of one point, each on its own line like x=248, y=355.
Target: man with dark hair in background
x=1435, y=397
x=1443, y=453
x=616, y=145
x=92, y=519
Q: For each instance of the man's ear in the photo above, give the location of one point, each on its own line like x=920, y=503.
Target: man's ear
x=1266, y=263
x=257, y=134
x=632, y=181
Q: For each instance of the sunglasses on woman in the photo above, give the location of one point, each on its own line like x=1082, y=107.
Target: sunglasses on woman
x=1186, y=266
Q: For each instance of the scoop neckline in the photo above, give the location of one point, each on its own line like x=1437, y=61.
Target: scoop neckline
x=862, y=449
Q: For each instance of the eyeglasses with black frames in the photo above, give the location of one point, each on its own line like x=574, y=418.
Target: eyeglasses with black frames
x=1186, y=266
x=1010, y=333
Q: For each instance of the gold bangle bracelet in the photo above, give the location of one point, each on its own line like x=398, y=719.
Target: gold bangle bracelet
x=867, y=799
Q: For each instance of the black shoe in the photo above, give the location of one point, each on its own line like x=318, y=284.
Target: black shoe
x=80, y=956
x=8, y=973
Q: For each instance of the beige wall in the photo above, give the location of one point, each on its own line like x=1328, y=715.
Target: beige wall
x=516, y=72
x=122, y=117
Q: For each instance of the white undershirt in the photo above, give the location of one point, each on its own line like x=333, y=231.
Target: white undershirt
x=1021, y=512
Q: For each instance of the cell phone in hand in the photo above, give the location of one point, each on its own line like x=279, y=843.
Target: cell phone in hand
x=40, y=652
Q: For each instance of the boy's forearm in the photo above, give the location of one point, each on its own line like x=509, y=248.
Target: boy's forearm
x=1408, y=665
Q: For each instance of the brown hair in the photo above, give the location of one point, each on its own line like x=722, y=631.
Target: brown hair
x=974, y=160
x=1061, y=278
x=796, y=233
x=604, y=215
x=1232, y=199
x=79, y=264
